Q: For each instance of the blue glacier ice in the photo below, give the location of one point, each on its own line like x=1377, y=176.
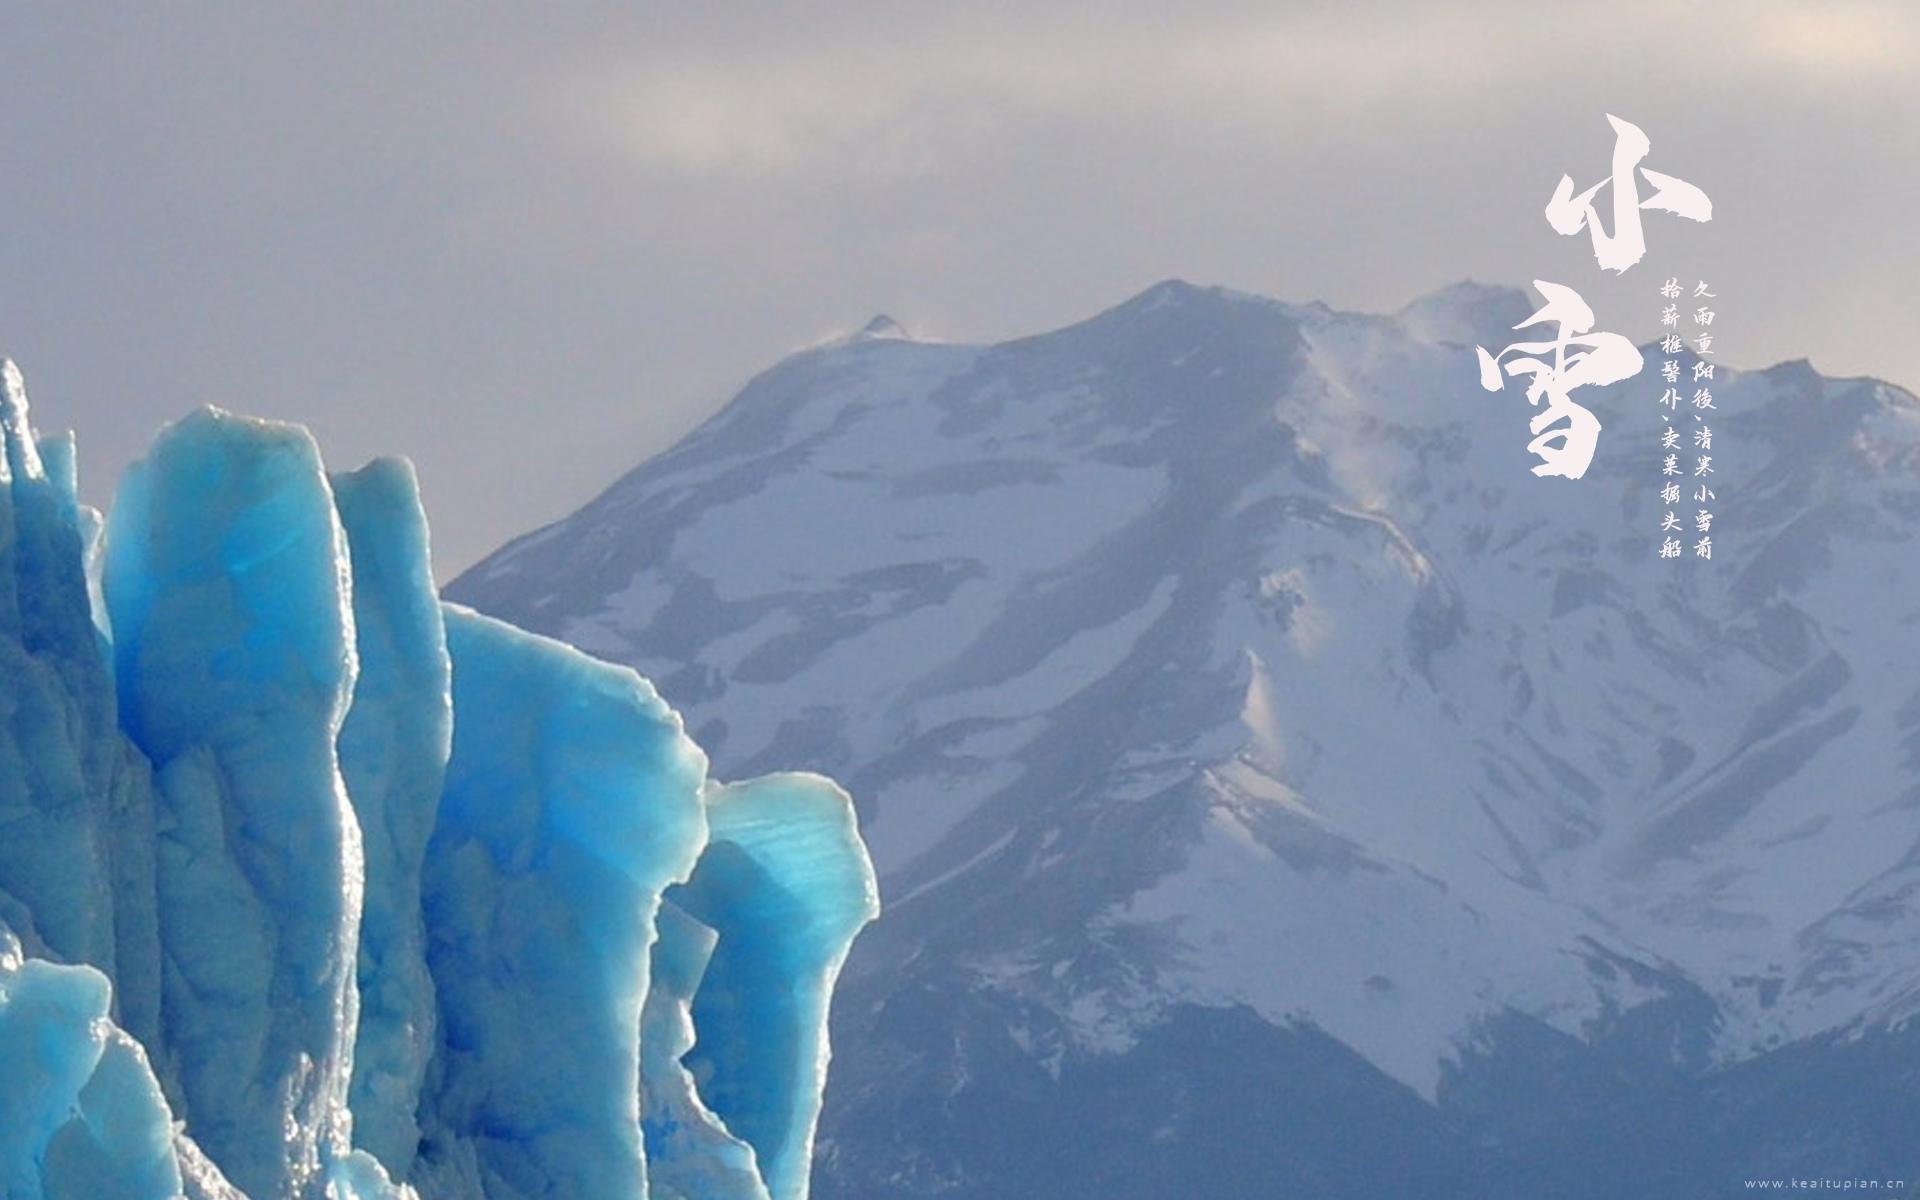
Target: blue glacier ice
x=234, y=655
x=393, y=756
x=311, y=886
x=785, y=885
x=68, y=778
x=572, y=801
x=747, y=955
x=693, y=1155
x=81, y=1114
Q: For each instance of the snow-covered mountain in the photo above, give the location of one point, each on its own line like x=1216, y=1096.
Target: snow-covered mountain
x=1279, y=790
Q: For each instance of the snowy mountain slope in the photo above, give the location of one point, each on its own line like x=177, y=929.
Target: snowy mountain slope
x=1219, y=654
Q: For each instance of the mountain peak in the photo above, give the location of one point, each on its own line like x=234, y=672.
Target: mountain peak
x=1170, y=293
x=1174, y=303
x=1466, y=313
x=883, y=326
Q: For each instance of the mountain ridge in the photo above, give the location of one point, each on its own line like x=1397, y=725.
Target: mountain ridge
x=1217, y=652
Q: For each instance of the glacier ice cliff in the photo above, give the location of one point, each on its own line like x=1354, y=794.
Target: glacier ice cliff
x=312, y=886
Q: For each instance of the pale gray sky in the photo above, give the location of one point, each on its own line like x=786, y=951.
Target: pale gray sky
x=528, y=245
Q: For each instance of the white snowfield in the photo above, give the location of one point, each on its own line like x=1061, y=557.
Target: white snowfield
x=1227, y=651
x=312, y=886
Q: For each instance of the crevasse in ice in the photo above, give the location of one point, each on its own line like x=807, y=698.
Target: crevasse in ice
x=312, y=887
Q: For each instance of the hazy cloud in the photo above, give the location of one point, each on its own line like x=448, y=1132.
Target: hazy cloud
x=535, y=243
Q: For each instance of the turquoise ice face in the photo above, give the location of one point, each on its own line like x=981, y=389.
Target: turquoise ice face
x=364, y=891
